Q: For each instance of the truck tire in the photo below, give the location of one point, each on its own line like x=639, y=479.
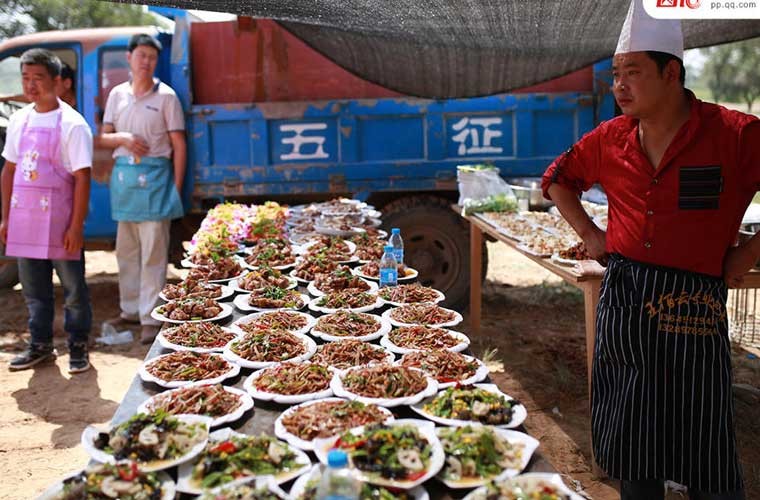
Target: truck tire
x=436, y=243
x=8, y=273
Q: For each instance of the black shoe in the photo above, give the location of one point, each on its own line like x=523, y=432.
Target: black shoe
x=32, y=355
x=79, y=359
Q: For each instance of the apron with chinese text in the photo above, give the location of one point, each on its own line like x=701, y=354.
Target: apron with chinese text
x=143, y=190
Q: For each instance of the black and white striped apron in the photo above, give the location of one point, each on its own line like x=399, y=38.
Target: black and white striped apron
x=661, y=384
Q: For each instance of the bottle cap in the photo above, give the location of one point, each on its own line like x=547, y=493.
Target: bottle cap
x=388, y=248
x=337, y=458
x=395, y=230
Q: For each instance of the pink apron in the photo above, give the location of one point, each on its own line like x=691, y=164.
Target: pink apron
x=43, y=193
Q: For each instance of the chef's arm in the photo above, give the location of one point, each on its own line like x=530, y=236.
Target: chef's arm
x=6, y=188
x=570, y=207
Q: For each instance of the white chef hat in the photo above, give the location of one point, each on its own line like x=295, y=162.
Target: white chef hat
x=641, y=32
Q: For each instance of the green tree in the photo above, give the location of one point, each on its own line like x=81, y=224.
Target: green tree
x=22, y=16
x=732, y=72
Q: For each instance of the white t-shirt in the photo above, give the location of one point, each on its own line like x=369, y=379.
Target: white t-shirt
x=76, y=136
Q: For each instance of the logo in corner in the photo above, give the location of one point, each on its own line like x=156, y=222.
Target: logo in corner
x=692, y=4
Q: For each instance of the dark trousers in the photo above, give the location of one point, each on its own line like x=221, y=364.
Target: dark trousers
x=655, y=490
x=36, y=276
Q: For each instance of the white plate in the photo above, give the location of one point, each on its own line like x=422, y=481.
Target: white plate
x=526, y=480
x=314, y=291
x=281, y=432
x=225, y=312
x=235, y=285
x=281, y=398
x=340, y=391
x=263, y=482
x=480, y=374
x=530, y=251
x=389, y=356
x=173, y=384
x=313, y=474
x=440, y=297
x=245, y=400
x=311, y=348
x=457, y=319
x=166, y=344
x=316, y=308
x=426, y=429
x=529, y=447
x=411, y=275
x=464, y=343
x=227, y=292
x=300, y=281
x=91, y=433
x=241, y=302
x=310, y=321
x=384, y=328
x=168, y=488
x=565, y=262
x=283, y=267
x=331, y=231
x=186, y=484
x=518, y=416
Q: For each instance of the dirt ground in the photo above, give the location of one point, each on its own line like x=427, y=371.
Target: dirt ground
x=532, y=326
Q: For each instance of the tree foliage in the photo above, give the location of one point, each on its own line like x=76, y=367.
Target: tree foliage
x=18, y=17
x=732, y=72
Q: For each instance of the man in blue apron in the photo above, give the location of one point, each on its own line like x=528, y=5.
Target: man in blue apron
x=679, y=174
x=144, y=123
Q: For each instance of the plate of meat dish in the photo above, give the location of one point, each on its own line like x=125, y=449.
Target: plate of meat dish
x=261, y=278
x=345, y=354
x=446, y=367
x=422, y=314
x=408, y=339
x=263, y=348
x=295, y=322
x=198, y=337
x=191, y=309
x=290, y=383
x=384, y=384
x=181, y=368
x=271, y=298
x=195, y=288
x=216, y=401
x=348, y=325
x=413, y=293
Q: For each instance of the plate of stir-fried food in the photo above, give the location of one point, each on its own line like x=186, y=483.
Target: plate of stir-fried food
x=195, y=288
x=422, y=314
x=340, y=278
x=371, y=271
x=272, y=253
x=262, y=348
x=230, y=456
x=349, y=300
x=419, y=338
x=413, y=293
x=198, y=337
x=295, y=322
x=384, y=384
x=181, y=368
x=311, y=265
x=290, y=383
x=305, y=488
x=219, y=271
x=155, y=441
x=300, y=425
x=247, y=488
x=221, y=403
x=124, y=481
x=191, y=309
x=476, y=454
x=262, y=277
x=344, y=354
x=446, y=367
x=531, y=485
x=348, y=325
x=477, y=403
x=271, y=298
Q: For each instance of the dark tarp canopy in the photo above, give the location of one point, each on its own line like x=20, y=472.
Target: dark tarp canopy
x=460, y=48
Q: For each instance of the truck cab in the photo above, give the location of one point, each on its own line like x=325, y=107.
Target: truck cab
x=268, y=117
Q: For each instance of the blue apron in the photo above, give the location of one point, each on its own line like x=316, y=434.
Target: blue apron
x=144, y=191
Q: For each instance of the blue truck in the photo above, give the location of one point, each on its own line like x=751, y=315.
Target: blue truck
x=269, y=118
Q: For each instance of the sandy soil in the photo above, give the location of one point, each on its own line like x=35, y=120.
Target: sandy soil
x=532, y=327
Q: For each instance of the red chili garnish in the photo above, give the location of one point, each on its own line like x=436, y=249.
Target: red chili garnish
x=224, y=447
x=413, y=476
x=130, y=473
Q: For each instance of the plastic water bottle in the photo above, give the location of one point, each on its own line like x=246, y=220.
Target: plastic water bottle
x=398, y=245
x=338, y=481
x=388, y=268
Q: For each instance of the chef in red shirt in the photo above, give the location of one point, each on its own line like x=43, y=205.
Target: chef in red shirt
x=679, y=174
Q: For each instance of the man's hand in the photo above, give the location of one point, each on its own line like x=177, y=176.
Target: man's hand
x=4, y=232
x=595, y=240
x=73, y=240
x=135, y=144
x=738, y=261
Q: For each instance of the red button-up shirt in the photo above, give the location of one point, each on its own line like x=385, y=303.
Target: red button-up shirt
x=685, y=214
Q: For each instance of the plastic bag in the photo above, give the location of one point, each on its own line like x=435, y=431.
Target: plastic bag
x=481, y=189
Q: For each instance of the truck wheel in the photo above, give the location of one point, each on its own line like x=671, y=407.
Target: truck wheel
x=8, y=273
x=436, y=243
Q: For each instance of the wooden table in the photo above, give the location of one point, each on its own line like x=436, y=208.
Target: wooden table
x=588, y=283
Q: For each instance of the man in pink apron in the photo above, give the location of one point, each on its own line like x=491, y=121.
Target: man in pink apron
x=145, y=124
x=45, y=193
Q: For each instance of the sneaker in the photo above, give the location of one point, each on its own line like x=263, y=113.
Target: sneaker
x=79, y=359
x=148, y=333
x=32, y=355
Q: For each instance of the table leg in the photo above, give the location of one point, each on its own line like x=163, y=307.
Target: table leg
x=590, y=300
x=476, y=279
